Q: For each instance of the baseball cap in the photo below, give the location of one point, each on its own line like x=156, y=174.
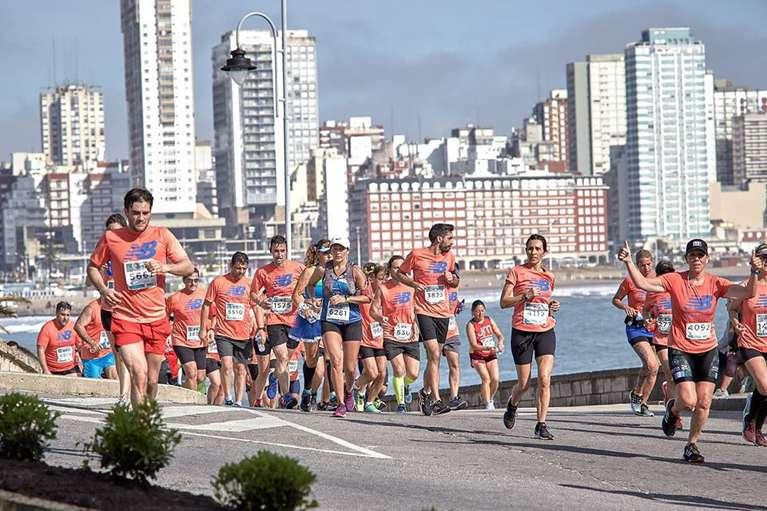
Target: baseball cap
x=761, y=250
x=323, y=246
x=344, y=242
x=696, y=245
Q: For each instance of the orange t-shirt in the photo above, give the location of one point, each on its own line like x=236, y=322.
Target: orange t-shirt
x=278, y=283
x=532, y=315
x=398, y=307
x=635, y=296
x=658, y=305
x=483, y=334
x=143, y=292
x=372, y=331
x=429, y=271
x=185, y=308
x=753, y=316
x=60, y=345
x=693, y=308
x=96, y=332
x=234, y=317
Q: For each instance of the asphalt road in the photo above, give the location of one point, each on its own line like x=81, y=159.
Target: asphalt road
x=601, y=458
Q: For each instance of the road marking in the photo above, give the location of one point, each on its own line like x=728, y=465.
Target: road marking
x=171, y=412
x=233, y=426
x=85, y=401
x=68, y=409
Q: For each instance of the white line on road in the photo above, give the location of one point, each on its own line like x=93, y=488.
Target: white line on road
x=233, y=426
x=169, y=412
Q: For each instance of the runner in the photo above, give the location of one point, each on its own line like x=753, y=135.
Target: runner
x=272, y=290
x=294, y=389
x=434, y=271
x=95, y=348
x=190, y=349
x=638, y=337
x=752, y=346
x=394, y=307
x=528, y=289
x=372, y=354
x=484, y=351
x=341, y=323
x=141, y=256
x=307, y=328
x=233, y=326
x=451, y=350
x=213, y=363
x=692, y=347
x=57, y=344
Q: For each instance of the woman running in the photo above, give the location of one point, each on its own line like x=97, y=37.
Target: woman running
x=184, y=306
x=528, y=289
x=752, y=346
x=341, y=322
x=394, y=308
x=692, y=347
x=639, y=338
x=372, y=354
x=485, y=342
x=307, y=328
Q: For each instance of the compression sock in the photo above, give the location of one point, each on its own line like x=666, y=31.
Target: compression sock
x=759, y=413
x=308, y=375
x=754, y=406
x=408, y=380
x=399, y=389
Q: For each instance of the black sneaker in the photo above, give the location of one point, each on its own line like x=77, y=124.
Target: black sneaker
x=322, y=406
x=692, y=454
x=438, y=408
x=635, y=402
x=542, y=431
x=306, y=400
x=669, y=419
x=425, y=402
x=457, y=403
x=510, y=416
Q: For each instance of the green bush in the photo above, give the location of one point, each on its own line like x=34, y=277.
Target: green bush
x=134, y=443
x=26, y=427
x=265, y=481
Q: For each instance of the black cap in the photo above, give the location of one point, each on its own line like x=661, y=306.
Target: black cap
x=696, y=245
x=761, y=250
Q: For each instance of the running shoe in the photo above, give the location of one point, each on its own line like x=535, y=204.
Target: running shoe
x=271, y=390
x=749, y=432
x=340, y=411
x=425, y=402
x=761, y=441
x=664, y=388
x=359, y=401
x=490, y=406
x=692, y=454
x=237, y=405
x=644, y=411
x=313, y=402
x=257, y=404
x=438, y=408
x=371, y=408
x=287, y=402
x=401, y=408
x=542, y=431
x=635, y=402
x=380, y=404
x=408, y=395
x=457, y=403
x=306, y=401
x=669, y=419
x=322, y=406
x=349, y=402
x=720, y=393
x=229, y=401
x=747, y=385
x=510, y=416
x=333, y=397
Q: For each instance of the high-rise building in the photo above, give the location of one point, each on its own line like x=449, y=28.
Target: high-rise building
x=157, y=41
x=105, y=189
x=596, y=111
x=666, y=140
x=749, y=147
x=205, y=176
x=248, y=146
x=551, y=114
x=72, y=124
x=729, y=102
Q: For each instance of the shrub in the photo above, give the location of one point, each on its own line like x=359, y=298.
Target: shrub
x=265, y=481
x=26, y=427
x=134, y=443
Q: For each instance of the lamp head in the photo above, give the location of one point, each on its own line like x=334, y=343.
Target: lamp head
x=238, y=66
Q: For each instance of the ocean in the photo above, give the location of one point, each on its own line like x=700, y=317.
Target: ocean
x=590, y=332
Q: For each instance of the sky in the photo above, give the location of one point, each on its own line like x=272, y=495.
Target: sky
x=419, y=67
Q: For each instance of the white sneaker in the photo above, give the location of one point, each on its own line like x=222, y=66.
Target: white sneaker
x=490, y=406
x=720, y=393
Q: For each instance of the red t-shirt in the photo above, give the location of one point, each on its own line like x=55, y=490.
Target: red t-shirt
x=753, y=316
x=278, y=283
x=234, y=317
x=693, y=309
x=96, y=332
x=60, y=344
x=397, y=306
x=635, y=296
x=128, y=251
x=429, y=270
x=483, y=332
x=658, y=305
x=185, y=308
x=532, y=315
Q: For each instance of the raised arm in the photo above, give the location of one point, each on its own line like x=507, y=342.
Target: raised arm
x=652, y=285
x=749, y=290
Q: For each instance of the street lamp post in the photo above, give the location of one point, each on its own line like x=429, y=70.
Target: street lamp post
x=238, y=67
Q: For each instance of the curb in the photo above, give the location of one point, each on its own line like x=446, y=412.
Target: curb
x=734, y=402
x=65, y=385
x=10, y=501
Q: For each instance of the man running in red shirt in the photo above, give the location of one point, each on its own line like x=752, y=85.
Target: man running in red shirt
x=57, y=344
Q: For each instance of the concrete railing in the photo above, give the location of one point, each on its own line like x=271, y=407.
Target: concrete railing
x=17, y=359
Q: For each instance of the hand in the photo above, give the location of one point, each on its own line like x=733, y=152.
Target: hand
x=93, y=347
x=624, y=254
x=203, y=335
x=757, y=263
x=338, y=299
x=650, y=324
x=737, y=325
x=112, y=297
x=630, y=311
x=532, y=293
x=419, y=288
x=499, y=349
x=449, y=277
x=554, y=306
x=154, y=266
x=210, y=336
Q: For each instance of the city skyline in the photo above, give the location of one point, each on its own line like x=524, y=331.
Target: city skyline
x=418, y=80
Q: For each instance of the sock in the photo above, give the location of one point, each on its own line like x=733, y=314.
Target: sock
x=308, y=375
x=408, y=380
x=398, y=382
x=759, y=413
x=754, y=406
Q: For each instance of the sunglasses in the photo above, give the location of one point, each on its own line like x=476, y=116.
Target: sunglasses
x=191, y=280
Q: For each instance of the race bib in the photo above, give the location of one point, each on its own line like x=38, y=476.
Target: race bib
x=452, y=324
x=104, y=340
x=293, y=366
x=698, y=331
x=376, y=330
x=403, y=332
x=65, y=354
x=212, y=348
x=193, y=333
x=664, y=323
x=338, y=312
x=488, y=342
x=535, y=313
x=435, y=294
x=281, y=304
x=235, y=311
x=137, y=277
x=761, y=325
